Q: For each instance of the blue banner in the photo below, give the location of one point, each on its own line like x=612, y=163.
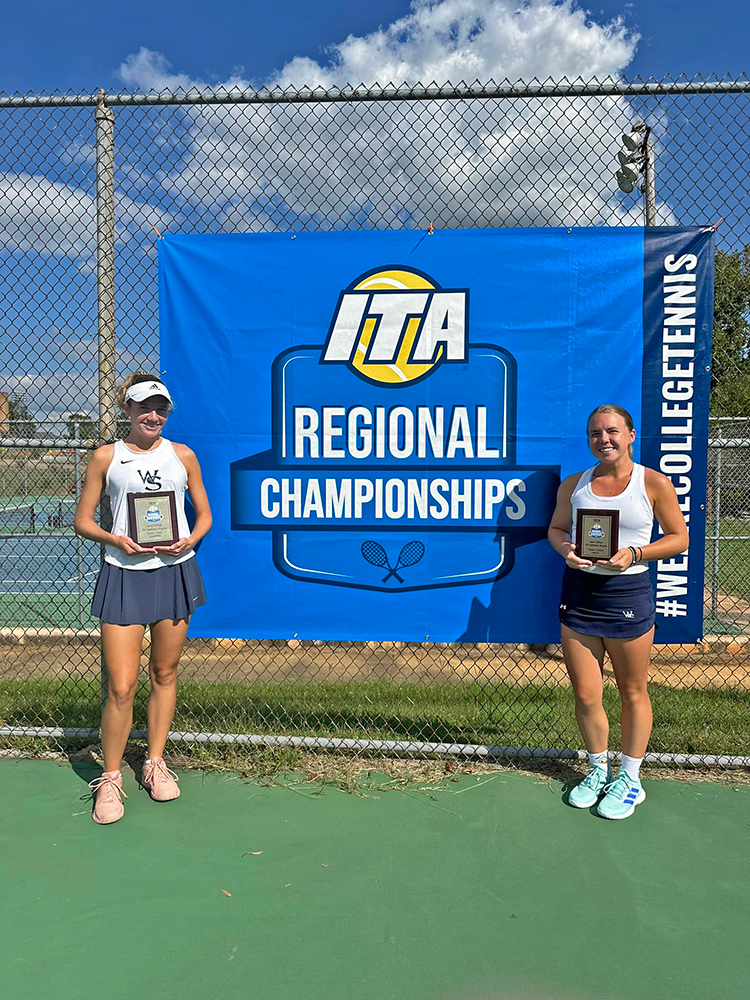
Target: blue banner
x=677, y=323
x=383, y=418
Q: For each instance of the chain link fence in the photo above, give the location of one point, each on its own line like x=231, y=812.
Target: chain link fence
x=77, y=212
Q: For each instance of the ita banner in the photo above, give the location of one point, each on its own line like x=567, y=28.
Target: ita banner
x=383, y=418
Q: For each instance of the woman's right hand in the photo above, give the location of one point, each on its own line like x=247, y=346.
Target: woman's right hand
x=129, y=547
x=574, y=561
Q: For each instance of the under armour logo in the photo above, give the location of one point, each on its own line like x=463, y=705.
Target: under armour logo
x=563, y=607
x=150, y=480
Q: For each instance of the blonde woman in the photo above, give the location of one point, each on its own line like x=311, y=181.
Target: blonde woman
x=608, y=606
x=158, y=586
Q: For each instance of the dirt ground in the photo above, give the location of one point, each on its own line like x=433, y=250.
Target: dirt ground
x=714, y=663
x=717, y=662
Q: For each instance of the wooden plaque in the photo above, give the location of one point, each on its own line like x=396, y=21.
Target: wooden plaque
x=597, y=533
x=152, y=518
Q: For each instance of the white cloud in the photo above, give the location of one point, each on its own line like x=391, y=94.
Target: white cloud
x=38, y=215
x=77, y=349
x=152, y=71
x=372, y=164
x=36, y=212
x=381, y=165
x=443, y=40
x=79, y=152
x=59, y=368
x=456, y=40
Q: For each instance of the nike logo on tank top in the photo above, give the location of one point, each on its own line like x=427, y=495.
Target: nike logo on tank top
x=636, y=514
x=144, y=472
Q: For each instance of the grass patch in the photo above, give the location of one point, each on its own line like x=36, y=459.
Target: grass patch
x=685, y=721
x=734, y=557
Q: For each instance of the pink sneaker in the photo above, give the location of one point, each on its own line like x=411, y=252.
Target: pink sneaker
x=159, y=781
x=108, y=795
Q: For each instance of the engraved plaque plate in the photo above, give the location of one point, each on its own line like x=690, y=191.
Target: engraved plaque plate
x=597, y=533
x=153, y=518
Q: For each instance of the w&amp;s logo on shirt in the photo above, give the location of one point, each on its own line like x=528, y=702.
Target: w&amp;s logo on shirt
x=392, y=464
x=150, y=480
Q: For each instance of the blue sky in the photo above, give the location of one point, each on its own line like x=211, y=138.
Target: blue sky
x=81, y=46
x=251, y=168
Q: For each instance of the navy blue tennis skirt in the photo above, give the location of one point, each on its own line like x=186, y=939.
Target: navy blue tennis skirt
x=614, y=607
x=143, y=596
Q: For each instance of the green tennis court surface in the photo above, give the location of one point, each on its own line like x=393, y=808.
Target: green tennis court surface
x=486, y=889
x=42, y=610
x=47, y=573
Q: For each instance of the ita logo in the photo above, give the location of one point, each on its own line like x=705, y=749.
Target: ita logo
x=392, y=460
x=394, y=326
x=153, y=515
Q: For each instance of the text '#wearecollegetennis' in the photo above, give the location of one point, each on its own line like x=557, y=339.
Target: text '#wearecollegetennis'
x=677, y=390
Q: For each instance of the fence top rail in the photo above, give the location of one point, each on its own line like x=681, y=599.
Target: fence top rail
x=59, y=442
x=389, y=92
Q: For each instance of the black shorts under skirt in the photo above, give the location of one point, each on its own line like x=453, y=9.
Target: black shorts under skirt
x=143, y=596
x=614, y=607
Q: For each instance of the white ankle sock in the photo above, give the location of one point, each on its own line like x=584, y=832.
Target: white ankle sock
x=598, y=759
x=631, y=766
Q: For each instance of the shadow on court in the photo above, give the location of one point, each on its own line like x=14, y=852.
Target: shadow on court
x=485, y=888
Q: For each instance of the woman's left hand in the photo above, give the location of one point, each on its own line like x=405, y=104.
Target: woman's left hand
x=622, y=559
x=178, y=548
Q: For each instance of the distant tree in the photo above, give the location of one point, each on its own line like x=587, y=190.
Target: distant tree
x=81, y=426
x=22, y=424
x=730, y=371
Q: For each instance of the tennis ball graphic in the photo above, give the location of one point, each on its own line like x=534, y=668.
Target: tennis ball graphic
x=399, y=371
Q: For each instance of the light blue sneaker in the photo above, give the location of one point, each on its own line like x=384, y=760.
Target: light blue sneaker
x=622, y=796
x=588, y=792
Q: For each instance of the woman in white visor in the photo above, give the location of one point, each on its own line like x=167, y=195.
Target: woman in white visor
x=149, y=577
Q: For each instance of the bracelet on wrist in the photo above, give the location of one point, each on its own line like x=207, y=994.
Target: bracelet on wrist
x=633, y=555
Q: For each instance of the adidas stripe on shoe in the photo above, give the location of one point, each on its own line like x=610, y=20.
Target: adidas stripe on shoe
x=622, y=796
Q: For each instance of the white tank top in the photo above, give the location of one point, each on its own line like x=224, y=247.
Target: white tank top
x=144, y=472
x=636, y=514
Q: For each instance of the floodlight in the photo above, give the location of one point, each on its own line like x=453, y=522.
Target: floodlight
x=636, y=166
x=626, y=157
x=624, y=182
x=632, y=140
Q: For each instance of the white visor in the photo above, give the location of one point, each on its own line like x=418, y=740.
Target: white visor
x=142, y=390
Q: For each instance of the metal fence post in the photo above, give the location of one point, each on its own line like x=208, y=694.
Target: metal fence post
x=105, y=293
x=649, y=181
x=79, y=540
x=717, y=533
x=105, y=265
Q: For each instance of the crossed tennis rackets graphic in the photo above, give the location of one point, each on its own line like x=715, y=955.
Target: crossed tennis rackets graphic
x=376, y=555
